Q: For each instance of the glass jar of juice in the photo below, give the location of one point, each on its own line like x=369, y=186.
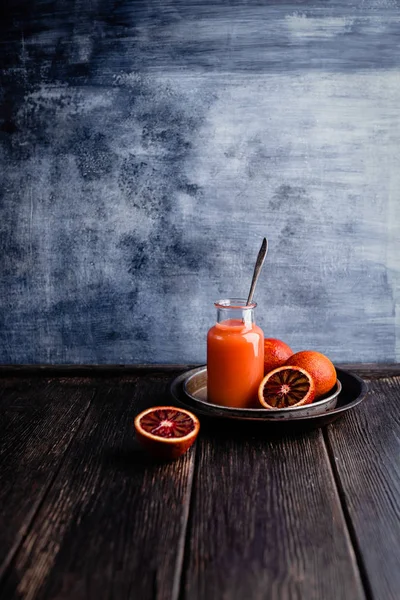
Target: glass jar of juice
x=235, y=355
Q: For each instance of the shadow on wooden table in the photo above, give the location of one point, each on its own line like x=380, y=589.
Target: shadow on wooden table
x=244, y=430
x=129, y=458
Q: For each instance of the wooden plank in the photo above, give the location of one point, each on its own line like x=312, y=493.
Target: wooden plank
x=38, y=420
x=368, y=370
x=266, y=521
x=91, y=370
x=365, y=449
x=114, y=522
x=373, y=370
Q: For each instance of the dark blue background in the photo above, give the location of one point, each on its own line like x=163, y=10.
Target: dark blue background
x=147, y=148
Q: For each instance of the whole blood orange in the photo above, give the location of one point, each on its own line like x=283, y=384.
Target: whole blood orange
x=166, y=431
x=286, y=387
x=276, y=354
x=320, y=368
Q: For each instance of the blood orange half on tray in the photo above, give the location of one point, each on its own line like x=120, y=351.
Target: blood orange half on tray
x=166, y=431
x=286, y=387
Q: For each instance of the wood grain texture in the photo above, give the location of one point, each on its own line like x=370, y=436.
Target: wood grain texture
x=372, y=370
x=113, y=524
x=368, y=370
x=266, y=522
x=95, y=371
x=365, y=449
x=38, y=420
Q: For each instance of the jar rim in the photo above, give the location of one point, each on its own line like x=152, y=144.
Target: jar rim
x=236, y=303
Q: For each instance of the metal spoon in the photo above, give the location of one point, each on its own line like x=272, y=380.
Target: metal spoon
x=257, y=269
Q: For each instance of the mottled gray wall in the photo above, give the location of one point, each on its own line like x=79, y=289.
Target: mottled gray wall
x=146, y=149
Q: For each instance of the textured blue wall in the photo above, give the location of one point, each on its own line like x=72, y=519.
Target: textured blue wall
x=146, y=149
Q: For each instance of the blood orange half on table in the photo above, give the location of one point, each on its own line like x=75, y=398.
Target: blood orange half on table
x=286, y=387
x=166, y=431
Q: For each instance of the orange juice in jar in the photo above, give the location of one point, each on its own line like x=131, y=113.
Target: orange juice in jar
x=235, y=355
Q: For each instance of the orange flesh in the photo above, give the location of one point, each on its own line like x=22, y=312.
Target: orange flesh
x=285, y=388
x=235, y=363
x=167, y=423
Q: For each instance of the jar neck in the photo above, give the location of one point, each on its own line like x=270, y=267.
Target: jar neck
x=236, y=311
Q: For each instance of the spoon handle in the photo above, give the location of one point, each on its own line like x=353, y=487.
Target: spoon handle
x=257, y=269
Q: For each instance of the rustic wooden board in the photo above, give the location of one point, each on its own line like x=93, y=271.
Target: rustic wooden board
x=96, y=371
x=266, y=522
x=113, y=524
x=365, y=449
x=370, y=371
x=85, y=514
x=38, y=420
x=373, y=371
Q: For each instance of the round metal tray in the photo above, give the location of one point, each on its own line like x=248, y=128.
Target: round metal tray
x=353, y=391
x=195, y=387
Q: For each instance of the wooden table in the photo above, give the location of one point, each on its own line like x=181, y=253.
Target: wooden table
x=242, y=516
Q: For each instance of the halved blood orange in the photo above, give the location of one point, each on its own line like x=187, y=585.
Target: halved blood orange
x=286, y=387
x=166, y=431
